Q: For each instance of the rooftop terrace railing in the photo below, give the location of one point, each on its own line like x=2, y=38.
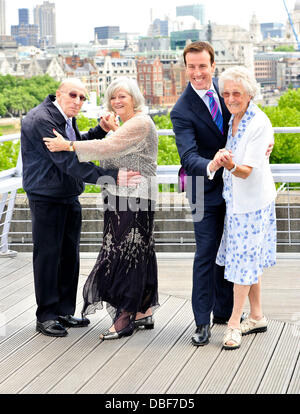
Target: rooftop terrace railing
x=173, y=230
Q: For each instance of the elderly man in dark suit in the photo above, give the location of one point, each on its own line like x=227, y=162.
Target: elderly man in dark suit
x=200, y=122
x=53, y=182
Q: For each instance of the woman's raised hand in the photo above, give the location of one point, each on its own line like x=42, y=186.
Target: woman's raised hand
x=109, y=122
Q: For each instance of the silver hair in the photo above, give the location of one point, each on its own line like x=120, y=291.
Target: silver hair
x=242, y=75
x=131, y=87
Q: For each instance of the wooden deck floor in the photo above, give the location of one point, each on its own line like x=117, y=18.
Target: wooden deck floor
x=158, y=361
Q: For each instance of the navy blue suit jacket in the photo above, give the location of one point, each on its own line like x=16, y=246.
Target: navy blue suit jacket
x=54, y=175
x=198, y=139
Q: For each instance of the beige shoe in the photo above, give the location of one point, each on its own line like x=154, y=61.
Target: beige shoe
x=249, y=325
x=232, y=335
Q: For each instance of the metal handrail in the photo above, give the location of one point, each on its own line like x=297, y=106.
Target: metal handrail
x=11, y=181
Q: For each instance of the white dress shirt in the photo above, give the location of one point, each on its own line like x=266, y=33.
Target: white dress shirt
x=202, y=94
x=55, y=103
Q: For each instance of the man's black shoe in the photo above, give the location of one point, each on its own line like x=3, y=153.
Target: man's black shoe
x=70, y=321
x=51, y=328
x=201, y=336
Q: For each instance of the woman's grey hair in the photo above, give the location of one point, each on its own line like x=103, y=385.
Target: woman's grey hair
x=239, y=74
x=131, y=87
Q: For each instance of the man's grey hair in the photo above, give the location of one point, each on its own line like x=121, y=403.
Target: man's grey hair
x=131, y=87
x=242, y=75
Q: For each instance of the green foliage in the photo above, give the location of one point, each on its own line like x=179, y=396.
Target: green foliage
x=291, y=99
x=163, y=122
x=9, y=154
x=167, y=150
x=284, y=49
x=18, y=95
x=287, y=146
x=84, y=124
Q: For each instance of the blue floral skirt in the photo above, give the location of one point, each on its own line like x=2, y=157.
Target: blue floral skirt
x=248, y=244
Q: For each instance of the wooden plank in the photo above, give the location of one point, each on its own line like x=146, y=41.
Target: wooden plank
x=17, y=296
x=138, y=371
x=20, y=330
x=252, y=369
x=3, y=260
x=9, y=281
x=171, y=366
x=281, y=367
x=12, y=265
x=294, y=387
x=104, y=354
x=224, y=368
x=65, y=364
x=22, y=362
x=34, y=357
x=197, y=367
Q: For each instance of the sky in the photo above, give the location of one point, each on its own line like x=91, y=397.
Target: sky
x=76, y=19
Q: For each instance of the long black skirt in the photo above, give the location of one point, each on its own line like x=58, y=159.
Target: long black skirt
x=125, y=273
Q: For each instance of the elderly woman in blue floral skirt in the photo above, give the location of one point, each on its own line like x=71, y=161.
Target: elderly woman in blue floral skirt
x=248, y=244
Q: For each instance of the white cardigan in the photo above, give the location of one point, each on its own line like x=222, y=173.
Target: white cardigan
x=258, y=189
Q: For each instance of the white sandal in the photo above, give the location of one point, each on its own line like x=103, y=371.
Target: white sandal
x=232, y=335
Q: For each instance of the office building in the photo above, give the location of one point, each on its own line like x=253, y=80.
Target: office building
x=45, y=18
x=26, y=34
x=107, y=32
x=23, y=16
x=180, y=39
x=195, y=10
x=272, y=30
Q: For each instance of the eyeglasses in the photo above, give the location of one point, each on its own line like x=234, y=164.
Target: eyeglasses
x=74, y=95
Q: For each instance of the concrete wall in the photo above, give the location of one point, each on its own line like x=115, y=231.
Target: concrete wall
x=173, y=226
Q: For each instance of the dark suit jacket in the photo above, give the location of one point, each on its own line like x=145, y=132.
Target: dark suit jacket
x=54, y=175
x=198, y=139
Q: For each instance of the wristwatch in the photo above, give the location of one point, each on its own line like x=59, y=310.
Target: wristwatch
x=71, y=148
x=233, y=168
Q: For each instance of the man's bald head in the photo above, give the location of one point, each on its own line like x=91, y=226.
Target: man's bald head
x=70, y=95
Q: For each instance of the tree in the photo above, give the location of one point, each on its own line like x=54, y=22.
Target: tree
x=287, y=146
x=290, y=99
x=18, y=95
x=167, y=150
x=9, y=152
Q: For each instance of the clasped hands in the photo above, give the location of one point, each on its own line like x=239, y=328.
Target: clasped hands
x=223, y=158
x=109, y=122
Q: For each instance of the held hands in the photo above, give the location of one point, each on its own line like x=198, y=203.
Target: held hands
x=109, y=122
x=223, y=158
x=127, y=178
x=56, y=144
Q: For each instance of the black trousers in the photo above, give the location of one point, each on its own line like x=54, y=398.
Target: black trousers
x=211, y=292
x=56, y=235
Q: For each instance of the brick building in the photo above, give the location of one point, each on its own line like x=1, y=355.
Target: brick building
x=161, y=83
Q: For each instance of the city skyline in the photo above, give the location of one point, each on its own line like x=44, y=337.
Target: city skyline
x=82, y=20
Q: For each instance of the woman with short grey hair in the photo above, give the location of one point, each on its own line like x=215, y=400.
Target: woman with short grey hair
x=248, y=244
x=125, y=273
x=130, y=86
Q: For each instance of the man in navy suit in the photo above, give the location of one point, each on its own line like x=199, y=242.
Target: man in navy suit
x=198, y=138
x=53, y=181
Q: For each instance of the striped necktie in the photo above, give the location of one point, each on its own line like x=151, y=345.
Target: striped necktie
x=70, y=130
x=215, y=111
